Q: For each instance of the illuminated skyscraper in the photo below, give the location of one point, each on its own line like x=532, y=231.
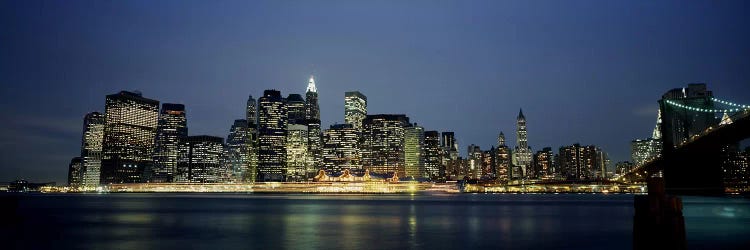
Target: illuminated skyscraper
x=522, y=153
x=383, y=148
x=75, y=172
x=272, y=126
x=200, y=160
x=642, y=151
x=544, y=163
x=129, y=134
x=341, y=149
x=413, y=155
x=252, y=140
x=355, y=109
x=432, y=155
x=91, y=148
x=313, y=127
x=172, y=128
x=502, y=160
x=238, y=154
x=578, y=162
x=297, y=157
x=296, y=109
x=474, y=157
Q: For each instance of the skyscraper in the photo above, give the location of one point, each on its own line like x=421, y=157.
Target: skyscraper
x=252, y=140
x=172, y=128
x=474, y=156
x=642, y=151
x=544, y=163
x=313, y=126
x=502, y=160
x=383, y=148
x=75, y=172
x=272, y=132
x=432, y=155
x=296, y=109
x=413, y=155
x=91, y=148
x=237, y=149
x=200, y=160
x=578, y=162
x=522, y=153
x=129, y=133
x=355, y=109
x=297, y=157
x=341, y=149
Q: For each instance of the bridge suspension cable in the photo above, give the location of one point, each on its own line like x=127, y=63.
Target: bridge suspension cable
x=737, y=107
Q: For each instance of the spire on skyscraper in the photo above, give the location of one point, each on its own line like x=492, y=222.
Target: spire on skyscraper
x=520, y=114
x=311, y=85
x=656, y=135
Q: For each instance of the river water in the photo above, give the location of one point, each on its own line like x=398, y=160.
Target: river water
x=298, y=221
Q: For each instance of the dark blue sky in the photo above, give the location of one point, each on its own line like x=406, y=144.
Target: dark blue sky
x=583, y=71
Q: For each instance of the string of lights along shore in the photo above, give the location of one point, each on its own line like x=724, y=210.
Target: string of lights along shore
x=280, y=139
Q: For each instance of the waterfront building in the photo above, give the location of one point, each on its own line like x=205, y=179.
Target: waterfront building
x=75, y=172
x=237, y=153
x=522, y=154
x=580, y=162
x=502, y=160
x=91, y=148
x=341, y=149
x=623, y=167
x=171, y=128
x=474, y=158
x=129, y=134
x=314, y=130
x=488, y=163
x=413, y=153
x=355, y=109
x=433, y=167
x=201, y=160
x=734, y=168
x=449, y=146
x=251, y=115
x=383, y=143
x=544, y=163
x=297, y=156
x=272, y=132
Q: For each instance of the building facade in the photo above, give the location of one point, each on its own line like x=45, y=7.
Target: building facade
x=129, y=134
x=313, y=126
x=341, y=149
x=75, y=172
x=355, y=109
x=383, y=143
x=413, y=151
x=522, y=154
x=297, y=156
x=91, y=148
x=544, y=163
x=237, y=153
x=251, y=114
x=201, y=160
x=171, y=128
x=272, y=132
x=433, y=167
x=502, y=160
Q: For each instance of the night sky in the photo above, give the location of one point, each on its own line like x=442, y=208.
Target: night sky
x=583, y=71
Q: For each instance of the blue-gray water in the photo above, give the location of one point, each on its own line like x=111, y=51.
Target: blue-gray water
x=246, y=221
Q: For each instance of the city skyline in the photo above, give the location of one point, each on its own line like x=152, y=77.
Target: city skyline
x=466, y=90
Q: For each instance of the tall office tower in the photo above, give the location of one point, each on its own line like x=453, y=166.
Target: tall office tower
x=296, y=110
x=172, y=128
x=502, y=160
x=237, y=153
x=432, y=156
x=474, y=157
x=449, y=146
x=355, y=109
x=413, y=155
x=272, y=126
x=252, y=140
x=313, y=125
x=383, y=144
x=677, y=124
x=544, y=163
x=643, y=151
x=200, y=160
x=129, y=133
x=91, y=148
x=578, y=162
x=297, y=156
x=522, y=152
x=341, y=149
x=488, y=162
x=602, y=162
x=75, y=172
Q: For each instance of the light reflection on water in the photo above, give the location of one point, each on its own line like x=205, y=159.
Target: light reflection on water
x=241, y=221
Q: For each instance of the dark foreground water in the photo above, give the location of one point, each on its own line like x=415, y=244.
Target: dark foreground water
x=460, y=221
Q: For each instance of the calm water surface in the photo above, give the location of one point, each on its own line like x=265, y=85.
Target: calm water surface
x=251, y=221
